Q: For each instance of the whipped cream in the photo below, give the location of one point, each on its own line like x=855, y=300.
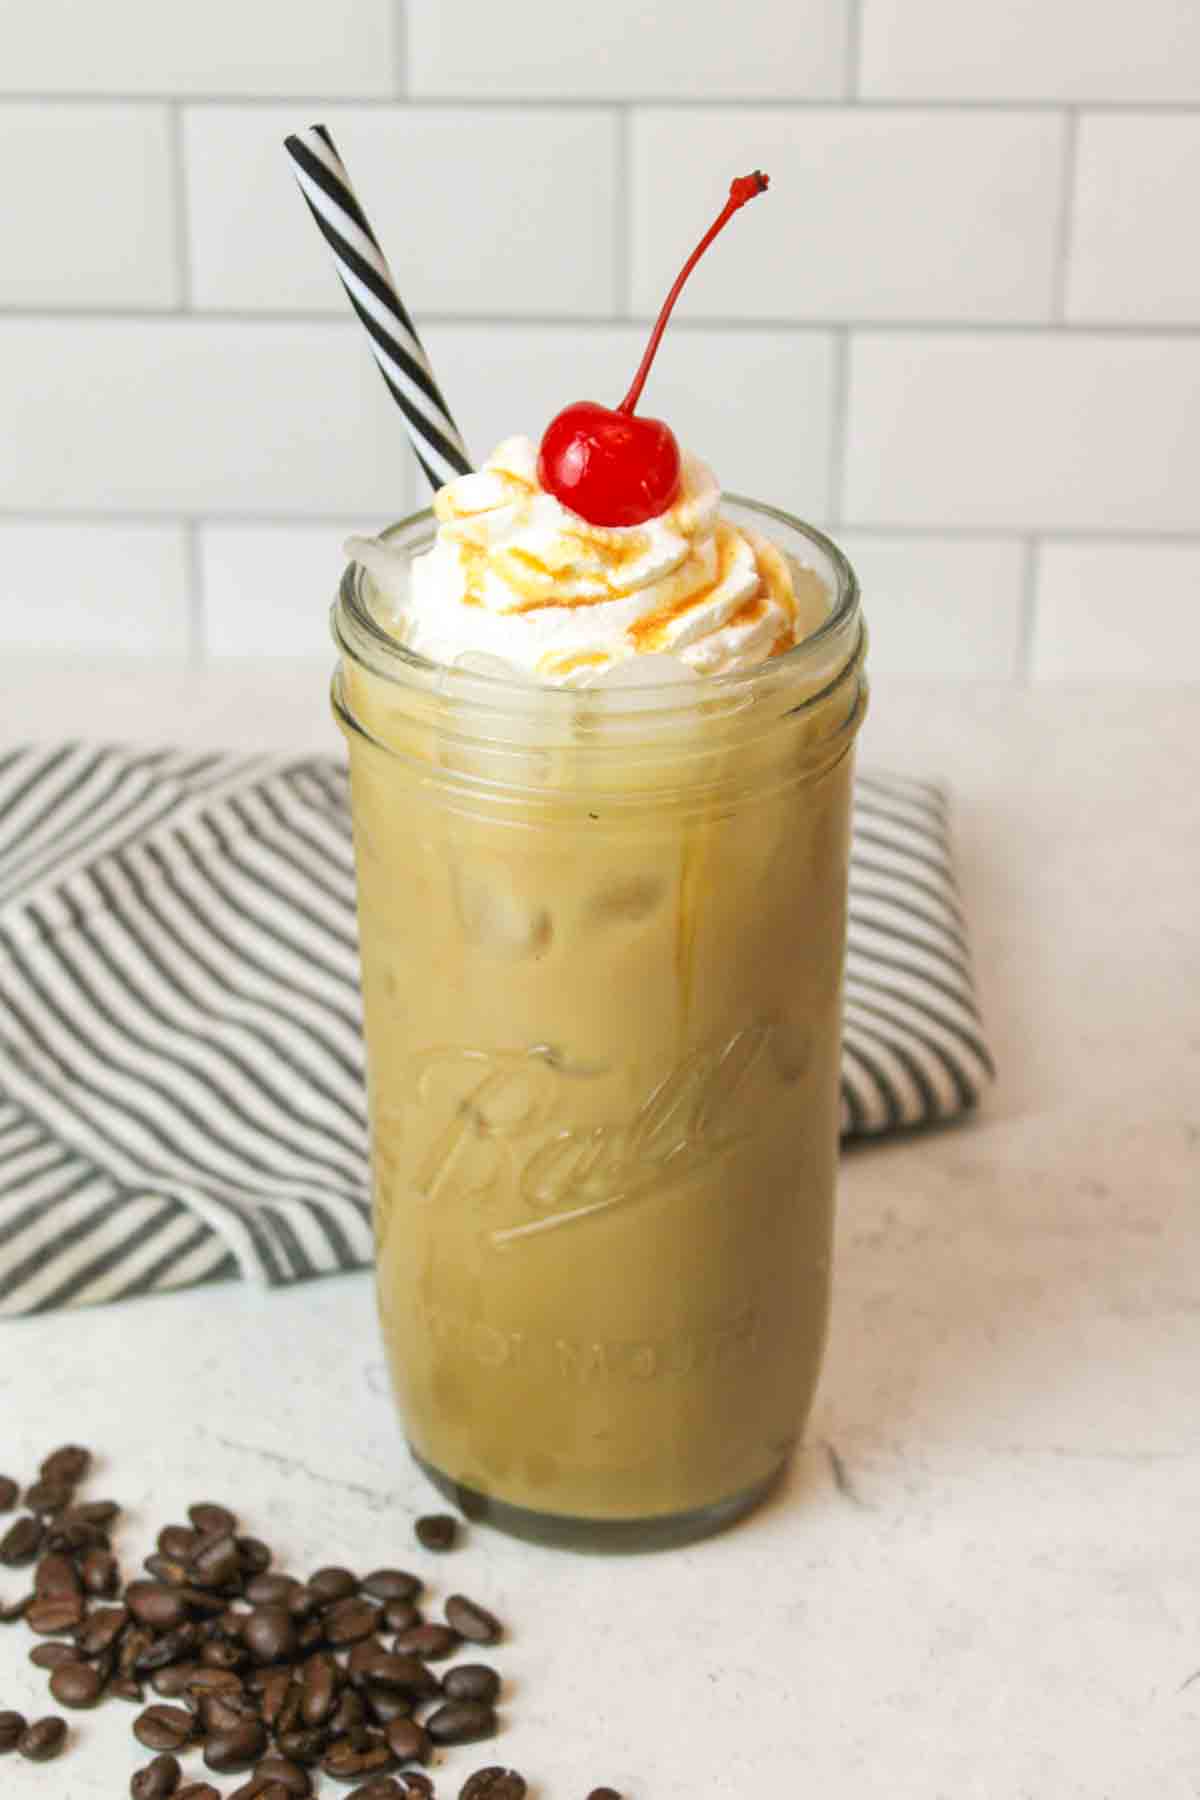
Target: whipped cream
x=517, y=576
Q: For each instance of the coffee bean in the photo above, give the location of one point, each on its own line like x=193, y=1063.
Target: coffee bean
x=461, y=1722
x=321, y=1678
x=332, y=1584
x=200, y=1680
x=157, y=1781
x=49, y=1496
x=69, y=1464
x=174, y=1682
x=311, y=1634
x=164, y=1727
x=215, y=1563
x=166, y=1571
x=53, y=1656
x=179, y=1542
x=197, y=1790
x=270, y=1634
x=9, y=1492
x=171, y=1647
x=357, y=1754
x=391, y=1584
x=99, y=1571
x=255, y=1556
x=124, y=1687
x=91, y=1512
x=54, y=1614
x=303, y=1746
x=290, y=1776
x=350, y=1714
x=219, y=1653
x=289, y=1713
x=410, y=1741
x=101, y=1629
x=135, y=1642
x=155, y=1605
x=604, y=1793
x=413, y=1783
x=472, y=1621
x=22, y=1541
x=400, y=1615
x=211, y=1520
x=349, y=1621
x=271, y=1590
x=43, y=1739
x=471, y=1681
x=384, y=1787
x=73, y=1534
x=15, y=1610
x=55, y=1575
x=220, y=1713
x=76, y=1684
x=207, y=1604
x=259, y=1788
x=386, y=1704
x=493, y=1784
x=407, y=1674
x=273, y=1692
x=12, y=1729
x=437, y=1531
x=430, y=1642
x=229, y=1751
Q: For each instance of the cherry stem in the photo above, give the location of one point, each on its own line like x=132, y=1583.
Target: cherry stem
x=741, y=190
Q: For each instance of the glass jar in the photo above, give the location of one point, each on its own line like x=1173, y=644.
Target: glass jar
x=602, y=939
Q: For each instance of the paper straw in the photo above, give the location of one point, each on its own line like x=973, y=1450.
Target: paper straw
x=365, y=275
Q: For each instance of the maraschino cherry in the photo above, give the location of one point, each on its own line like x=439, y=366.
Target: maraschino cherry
x=614, y=468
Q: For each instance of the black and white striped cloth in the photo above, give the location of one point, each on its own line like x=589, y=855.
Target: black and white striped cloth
x=181, y=1092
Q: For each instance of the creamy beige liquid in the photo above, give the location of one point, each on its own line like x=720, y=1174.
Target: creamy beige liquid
x=602, y=1030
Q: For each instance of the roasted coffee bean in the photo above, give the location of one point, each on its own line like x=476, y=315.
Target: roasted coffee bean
x=199, y=1600
x=165, y=1571
x=157, y=1781
x=273, y=1693
x=384, y=1787
x=51, y=1616
x=91, y=1512
x=172, y=1647
x=12, y=1728
x=350, y=1714
x=9, y=1493
x=15, y=1610
x=358, y=1663
x=410, y=1741
x=49, y=1496
x=270, y=1634
x=430, y=1642
x=197, y=1790
x=164, y=1727
x=200, y=1680
x=413, y=1783
x=311, y=1634
x=604, y=1793
x=74, y=1534
x=219, y=1653
x=22, y=1541
x=349, y=1621
x=493, y=1784
x=289, y=1713
x=437, y=1531
x=391, y=1584
x=69, y=1464
x=219, y=1713
x=407, y=1674
x=216, y=1563
x=174, y=1682
x=271, y=1590
x=53, y=1656
x=351, y=1757
x=43, y=1739
x=321, y=1679
x=101, y=1630
x=472, y=1621
x=76, y=1684
x=211, y=1520
x=255, y=1556
x=461, y=1722
x=471, y=1681
x=303, y=1746
x=135, y=1641
x=179, y=1542
x=99, y=1571
x=153, y=1604
x=124, y=1687
x=387, y=1704
x=401, y=1615
x=260, y=1788
x=55, y=1575
x=327, y=1585
x=229, y=1751
x=291, y=1776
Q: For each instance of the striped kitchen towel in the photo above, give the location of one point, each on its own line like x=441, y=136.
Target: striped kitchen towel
x=181, y=1085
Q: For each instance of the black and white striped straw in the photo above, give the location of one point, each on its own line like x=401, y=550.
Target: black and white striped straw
x=364, y=273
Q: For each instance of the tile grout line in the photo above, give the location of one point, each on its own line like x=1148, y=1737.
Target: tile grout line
x=623, y=217
x=1065, y=227
x=854, y=37
x=1023, y=673
x=179, y=195
x=838, y=427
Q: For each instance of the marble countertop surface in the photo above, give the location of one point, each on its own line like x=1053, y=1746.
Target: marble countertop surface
x=982, y=1579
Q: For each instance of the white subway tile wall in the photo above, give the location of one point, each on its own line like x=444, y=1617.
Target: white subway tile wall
x=962, y=331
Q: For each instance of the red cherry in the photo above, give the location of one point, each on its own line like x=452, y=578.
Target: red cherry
x=612, y=467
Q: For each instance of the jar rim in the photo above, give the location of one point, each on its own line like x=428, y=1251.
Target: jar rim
x=358, y=634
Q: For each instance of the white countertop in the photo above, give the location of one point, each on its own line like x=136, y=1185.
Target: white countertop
x=982, y=1580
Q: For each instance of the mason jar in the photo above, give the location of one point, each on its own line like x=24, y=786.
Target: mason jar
x=602, y=937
